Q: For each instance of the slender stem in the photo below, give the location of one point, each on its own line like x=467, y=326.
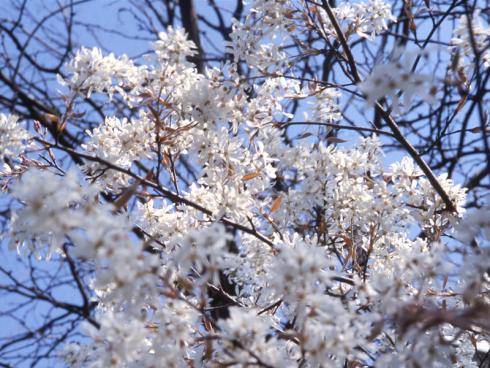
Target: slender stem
x=338, y=126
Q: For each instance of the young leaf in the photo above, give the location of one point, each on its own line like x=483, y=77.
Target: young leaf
x=276, y=204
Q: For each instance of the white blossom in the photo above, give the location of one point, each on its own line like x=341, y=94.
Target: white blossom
x=240, y=248
x=121, y=142
x=174, y=47
x=463, y=40
x=366, y=18
x=395, y=78
x=93, y=72
x=13, y=137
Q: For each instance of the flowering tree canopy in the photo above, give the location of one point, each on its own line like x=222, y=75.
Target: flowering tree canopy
x=209, y=214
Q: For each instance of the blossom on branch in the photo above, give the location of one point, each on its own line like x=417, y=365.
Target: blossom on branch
x=217, y=238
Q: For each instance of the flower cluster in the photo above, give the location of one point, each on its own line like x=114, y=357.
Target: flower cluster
x=470, y=43
x=239, y=248
x=93, y=72
x=325, y=107
x=396, y=78
x=13, y=137
x=49, y=213
x=174, y=47
x=120, y=142
x=258, y=39
x=366, y=19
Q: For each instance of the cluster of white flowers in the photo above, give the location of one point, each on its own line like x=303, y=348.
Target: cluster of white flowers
x=49, y=213
x=325, y=106
x=93, y=72
x=395, y=78
x=258, y=39
x=474, y=279
x=366, y=19
x=272, y=254
x=304, y=276
x=64, y=212
x=120, y=142
x=13, y=137
x=475, y=41
x=203, y=252
x=475, y=225
x=174, y=47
